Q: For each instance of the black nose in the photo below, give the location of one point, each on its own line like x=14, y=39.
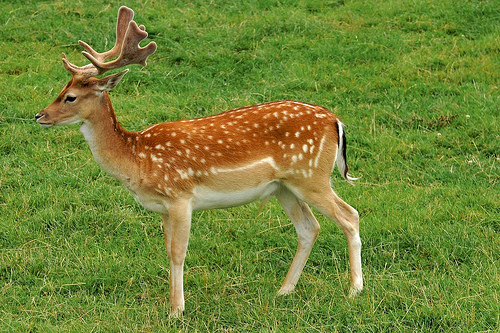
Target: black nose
x=39, y=115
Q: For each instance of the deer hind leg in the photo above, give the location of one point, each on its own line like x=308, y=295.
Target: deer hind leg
x=307, y=228
x=347, y=218
x=177, y=225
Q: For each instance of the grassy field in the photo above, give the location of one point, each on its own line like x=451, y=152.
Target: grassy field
x=417, y=84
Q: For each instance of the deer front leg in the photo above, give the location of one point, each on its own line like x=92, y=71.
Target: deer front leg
x=177, y=226
x=168, y=245
x=307, y=228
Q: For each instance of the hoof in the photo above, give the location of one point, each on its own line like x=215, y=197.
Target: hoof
x=177, y=313
x=285, y=291
x=354, y=291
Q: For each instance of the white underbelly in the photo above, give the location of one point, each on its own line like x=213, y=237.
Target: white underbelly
x=151, y=203
x=207, y=198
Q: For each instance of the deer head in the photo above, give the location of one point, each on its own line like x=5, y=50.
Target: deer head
x=73, y=105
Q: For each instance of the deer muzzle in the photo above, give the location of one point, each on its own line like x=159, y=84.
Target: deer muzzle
x=41, y=118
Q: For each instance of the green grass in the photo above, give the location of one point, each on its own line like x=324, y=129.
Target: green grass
x=416, y=83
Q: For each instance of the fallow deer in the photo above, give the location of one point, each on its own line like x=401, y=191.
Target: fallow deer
x=285, y=149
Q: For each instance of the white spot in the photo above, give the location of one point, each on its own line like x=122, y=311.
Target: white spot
x=316, y=160
x=173, y=134
x=294, y=158
x=154, y=158
x=141, y=155
x=311, y=149
x=183, y=174
x=297, y=134
x=160, y=147
x=304, y=148
x=292, y=146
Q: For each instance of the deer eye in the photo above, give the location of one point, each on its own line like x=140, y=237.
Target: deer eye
x=70, y=99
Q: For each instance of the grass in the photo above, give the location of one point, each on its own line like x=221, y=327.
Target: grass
x=416, y=82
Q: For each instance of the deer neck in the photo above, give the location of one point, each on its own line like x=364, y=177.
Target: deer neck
x=108, y=141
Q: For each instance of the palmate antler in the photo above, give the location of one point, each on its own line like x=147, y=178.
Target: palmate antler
x=126, y=48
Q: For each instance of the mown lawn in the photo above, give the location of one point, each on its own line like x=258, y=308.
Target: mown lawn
x=415, y=82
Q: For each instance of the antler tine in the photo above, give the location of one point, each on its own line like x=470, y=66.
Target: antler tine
x=126, y=48
x=84, y=71
x=125, y=16
x=127, y=45
x=131, y=52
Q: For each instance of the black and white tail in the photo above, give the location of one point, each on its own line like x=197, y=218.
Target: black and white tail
x=341, y=159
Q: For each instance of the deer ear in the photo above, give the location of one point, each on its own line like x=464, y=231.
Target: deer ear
x=109, y=82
